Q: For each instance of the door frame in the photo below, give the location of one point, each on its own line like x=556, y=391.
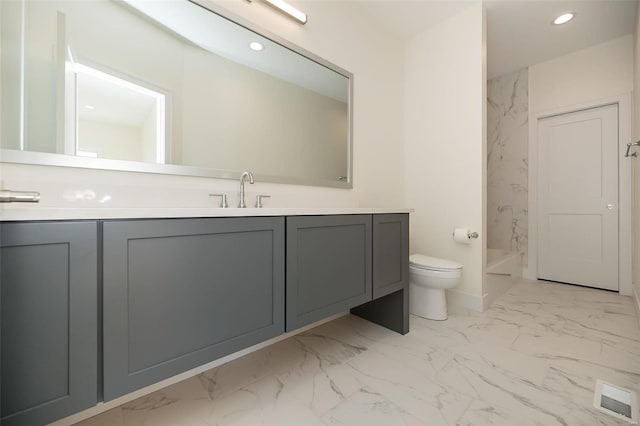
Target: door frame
x=624, y=185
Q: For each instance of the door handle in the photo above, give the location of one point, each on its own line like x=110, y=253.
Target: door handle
x=7, y=196
x=610, y=206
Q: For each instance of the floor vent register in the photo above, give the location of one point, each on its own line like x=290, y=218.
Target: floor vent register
x=616, y=401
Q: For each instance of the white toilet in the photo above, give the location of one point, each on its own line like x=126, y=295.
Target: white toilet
x=429, y=278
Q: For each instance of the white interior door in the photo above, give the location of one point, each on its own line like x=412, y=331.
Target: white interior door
x=578, y=198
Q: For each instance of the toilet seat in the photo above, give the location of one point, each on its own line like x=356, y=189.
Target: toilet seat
x=420, y=261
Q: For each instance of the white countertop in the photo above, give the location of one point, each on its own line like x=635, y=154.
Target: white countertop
x=16, y=213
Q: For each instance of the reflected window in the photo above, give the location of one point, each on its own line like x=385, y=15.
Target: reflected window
x=115, y=118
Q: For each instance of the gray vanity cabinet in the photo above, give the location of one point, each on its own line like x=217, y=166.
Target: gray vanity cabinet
x=390, y=253
x=49, y=320
x=179, y=293
x=328, y=266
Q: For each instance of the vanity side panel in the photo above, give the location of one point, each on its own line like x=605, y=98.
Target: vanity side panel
x=179, y=293
x=328, y=266
x=49, y=320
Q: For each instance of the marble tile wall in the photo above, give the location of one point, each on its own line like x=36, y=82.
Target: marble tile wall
x=507, y=162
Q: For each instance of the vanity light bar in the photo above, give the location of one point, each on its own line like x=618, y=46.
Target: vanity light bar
x=286, y=8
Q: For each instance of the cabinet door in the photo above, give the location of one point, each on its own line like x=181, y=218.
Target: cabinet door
x=49, y=320
x=328, y=266
x=390, y=253
x=179, y=293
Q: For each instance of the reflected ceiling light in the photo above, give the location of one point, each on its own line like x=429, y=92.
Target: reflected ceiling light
x=289, y=10
x=564, y=18
x=286, y=8
x=89, y=107
x=254, y=45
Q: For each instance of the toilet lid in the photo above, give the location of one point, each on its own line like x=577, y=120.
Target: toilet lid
x=433, y=263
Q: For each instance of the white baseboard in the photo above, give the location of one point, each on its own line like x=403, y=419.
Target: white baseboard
x=497, y=285
x=466, y=300
x=528, y=274
x=101, y=407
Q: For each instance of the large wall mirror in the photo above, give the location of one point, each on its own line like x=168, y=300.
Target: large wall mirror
x=167, y=86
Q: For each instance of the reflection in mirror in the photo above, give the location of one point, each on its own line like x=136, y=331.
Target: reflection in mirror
x=122, y=83
x=115, y=118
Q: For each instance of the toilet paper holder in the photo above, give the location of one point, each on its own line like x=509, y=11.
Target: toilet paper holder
x=469, y=234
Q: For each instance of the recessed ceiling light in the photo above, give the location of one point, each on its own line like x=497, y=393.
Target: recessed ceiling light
x=564, y=18
x=254, y=45
x=89, y=107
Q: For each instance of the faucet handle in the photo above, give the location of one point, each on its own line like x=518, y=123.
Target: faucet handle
x=259, y=200
x=223, y=199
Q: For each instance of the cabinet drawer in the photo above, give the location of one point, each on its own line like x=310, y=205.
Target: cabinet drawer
x=180, y=293
x=328, y=266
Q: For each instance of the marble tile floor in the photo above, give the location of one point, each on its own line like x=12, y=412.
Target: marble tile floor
x=531, y=359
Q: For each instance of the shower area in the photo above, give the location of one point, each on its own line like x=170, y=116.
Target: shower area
x=507, y=179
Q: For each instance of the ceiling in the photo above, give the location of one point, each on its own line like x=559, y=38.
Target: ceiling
x=405, y=19
x=104, y=101
x=519, y=32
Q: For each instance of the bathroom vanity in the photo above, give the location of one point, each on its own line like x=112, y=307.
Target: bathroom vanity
x=97, y=303
x=110, y=301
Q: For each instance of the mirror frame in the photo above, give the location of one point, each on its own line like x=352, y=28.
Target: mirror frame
x=62, y=160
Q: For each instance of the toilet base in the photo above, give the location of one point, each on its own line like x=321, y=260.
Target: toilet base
x=429, y=303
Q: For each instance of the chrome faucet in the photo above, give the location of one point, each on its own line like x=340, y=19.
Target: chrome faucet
x=245, y=174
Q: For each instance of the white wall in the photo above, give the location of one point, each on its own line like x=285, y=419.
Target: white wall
x=598, y=72
x=149, y=137
x=603, y=71
x=336, y=31
x=445, y=141
x=110, y=140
